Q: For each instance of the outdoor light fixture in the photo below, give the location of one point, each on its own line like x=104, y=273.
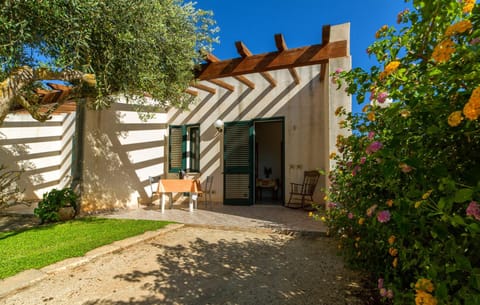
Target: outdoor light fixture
x=218, y=125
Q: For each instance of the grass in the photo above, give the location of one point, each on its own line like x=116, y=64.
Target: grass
x=44, y=245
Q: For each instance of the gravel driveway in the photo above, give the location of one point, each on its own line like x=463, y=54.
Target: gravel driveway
x=196, y=265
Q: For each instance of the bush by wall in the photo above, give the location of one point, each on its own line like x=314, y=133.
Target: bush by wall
x=404, y=194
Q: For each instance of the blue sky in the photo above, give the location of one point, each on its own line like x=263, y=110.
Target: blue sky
x=300, y=21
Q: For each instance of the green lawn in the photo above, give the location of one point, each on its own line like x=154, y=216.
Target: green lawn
x=47, y=244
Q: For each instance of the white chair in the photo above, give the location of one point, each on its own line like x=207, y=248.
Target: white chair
x=154, y=191
x=207, y=191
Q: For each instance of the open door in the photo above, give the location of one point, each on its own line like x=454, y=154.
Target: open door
x=238, y=163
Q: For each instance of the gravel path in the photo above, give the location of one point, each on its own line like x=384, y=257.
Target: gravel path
x=195, y=265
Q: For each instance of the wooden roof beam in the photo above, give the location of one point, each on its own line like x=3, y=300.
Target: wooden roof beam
x=191, y=92
x=204, y=88
x=325, y=41
x=213, y=59
x=222, y=84
x=245, y=52
x=291, y=58
x=282, y=47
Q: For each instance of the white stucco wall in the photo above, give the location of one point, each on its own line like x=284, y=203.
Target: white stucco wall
x=120, y=152
x=42, y=150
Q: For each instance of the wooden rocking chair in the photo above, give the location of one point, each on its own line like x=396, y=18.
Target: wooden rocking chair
x=301, y=195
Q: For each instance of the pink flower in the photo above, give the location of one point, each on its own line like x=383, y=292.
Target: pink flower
x=371, y=134
x=356, y=169
x=405, y=168
x=382, y=97
x=473, y=210
x=331, y=205
x=339, y=70
x=374, y=147
x=475, y=41
x=383, y=216
x=362, y=160
x=380, y=283
x=350, y=215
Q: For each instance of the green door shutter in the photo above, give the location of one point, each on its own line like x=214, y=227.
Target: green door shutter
x=238, y=163
x=177, y=148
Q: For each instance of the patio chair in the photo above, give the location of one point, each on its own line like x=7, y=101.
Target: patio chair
x=301, y=195
x=154, y=191
x=207, y=191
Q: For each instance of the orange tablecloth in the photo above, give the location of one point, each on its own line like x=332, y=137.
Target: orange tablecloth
x=179, y=186
x=170, y=186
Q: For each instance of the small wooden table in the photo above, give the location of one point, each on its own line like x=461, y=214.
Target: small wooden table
x=170, y=186
x=262, y=184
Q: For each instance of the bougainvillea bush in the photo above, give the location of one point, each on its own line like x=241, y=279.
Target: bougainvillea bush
x=405, y=191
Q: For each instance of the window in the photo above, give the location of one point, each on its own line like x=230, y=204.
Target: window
x=184, y=148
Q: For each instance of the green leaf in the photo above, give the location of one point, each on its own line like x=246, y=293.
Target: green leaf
x=457, y=220
x=463, y=195
x=474, y=227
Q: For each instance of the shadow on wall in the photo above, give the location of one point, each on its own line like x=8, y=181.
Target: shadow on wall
x=119, y=155
x=241, y=270
x=14, y=158
x=41, y=150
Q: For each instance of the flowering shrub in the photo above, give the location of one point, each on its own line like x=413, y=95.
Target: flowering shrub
x=407, y=181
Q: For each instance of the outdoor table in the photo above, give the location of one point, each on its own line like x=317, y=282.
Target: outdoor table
x=170, y=186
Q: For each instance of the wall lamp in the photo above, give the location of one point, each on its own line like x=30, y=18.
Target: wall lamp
x=218, y=125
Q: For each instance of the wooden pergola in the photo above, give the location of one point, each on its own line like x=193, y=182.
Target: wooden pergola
x=283, y=58
x=214, y=70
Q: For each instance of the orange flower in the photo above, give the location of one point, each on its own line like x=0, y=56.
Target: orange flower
x=391, y=239
x=458, y=28
x=366, y=108
x=390, y=203
x=424, y=298
x=361, y=221
x=371, y=116
x=389, y=69
x=392, y=66
x=455, y=118
x=443, y=51
x=471, y=110
x=405, y=113
x=395, y=262
x=392, y=251
x=468, y=6
x=424, y=285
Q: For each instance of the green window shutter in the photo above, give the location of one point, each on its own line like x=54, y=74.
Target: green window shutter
x=177, y=148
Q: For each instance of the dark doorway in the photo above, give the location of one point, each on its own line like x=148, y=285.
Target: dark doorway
x=269, y=161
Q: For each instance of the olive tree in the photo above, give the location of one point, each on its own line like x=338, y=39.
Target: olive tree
x=138, y=48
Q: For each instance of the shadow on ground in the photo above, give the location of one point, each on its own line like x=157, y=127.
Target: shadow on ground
x=273, y=270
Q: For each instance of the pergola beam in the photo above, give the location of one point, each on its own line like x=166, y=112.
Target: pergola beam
x=191, y=92
x=213, y=59
x=245, y=52
x=204, y=88
x=282, y=47
x=222, y=84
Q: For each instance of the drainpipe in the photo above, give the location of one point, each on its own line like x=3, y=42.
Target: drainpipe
x=77, y=152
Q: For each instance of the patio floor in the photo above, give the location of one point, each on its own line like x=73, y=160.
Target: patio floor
x=262, y=216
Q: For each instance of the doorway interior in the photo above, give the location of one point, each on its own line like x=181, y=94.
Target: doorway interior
x=268, y=161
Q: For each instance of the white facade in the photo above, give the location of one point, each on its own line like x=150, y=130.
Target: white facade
x=121, y=151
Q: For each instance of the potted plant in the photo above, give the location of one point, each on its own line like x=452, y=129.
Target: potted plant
x=57, y=205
